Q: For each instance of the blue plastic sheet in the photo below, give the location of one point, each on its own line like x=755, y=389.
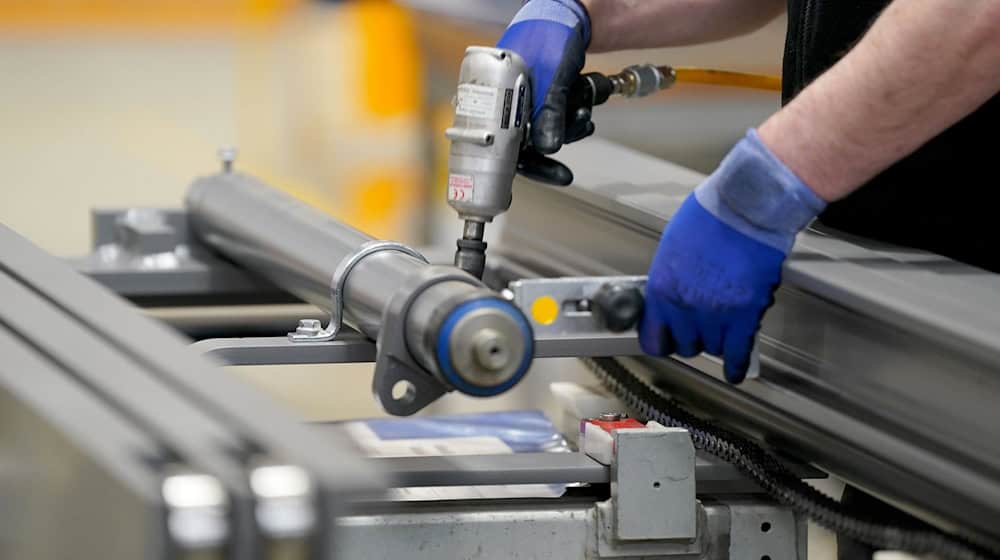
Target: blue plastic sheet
x=523, y=431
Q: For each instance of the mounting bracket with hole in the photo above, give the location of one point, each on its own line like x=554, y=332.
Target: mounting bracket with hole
x=395, y=365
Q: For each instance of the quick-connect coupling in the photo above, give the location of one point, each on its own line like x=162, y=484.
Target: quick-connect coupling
x=640, y=80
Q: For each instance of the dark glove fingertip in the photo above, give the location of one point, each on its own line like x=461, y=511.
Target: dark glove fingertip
x=546, y=139
x=735, y=373
x=655, y=338
x=689, y=351
x=544, y=169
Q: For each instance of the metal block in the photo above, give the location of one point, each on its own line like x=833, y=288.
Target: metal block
x=653, y=484
x=760, y=531
x=709, y=543
x=145, y=231
x=149, y=255
x=503, y=531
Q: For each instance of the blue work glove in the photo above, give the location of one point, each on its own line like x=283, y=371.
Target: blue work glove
x=552, y=37
x=719, y=259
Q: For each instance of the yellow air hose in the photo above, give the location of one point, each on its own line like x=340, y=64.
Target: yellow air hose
x=708, y=76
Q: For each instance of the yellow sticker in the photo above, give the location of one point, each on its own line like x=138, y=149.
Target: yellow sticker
x=545, y=310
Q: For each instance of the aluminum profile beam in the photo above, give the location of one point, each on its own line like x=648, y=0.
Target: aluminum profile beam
x=147, y=374
x=73, y=463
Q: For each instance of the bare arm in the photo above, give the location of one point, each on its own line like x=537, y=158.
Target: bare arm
x=924, y=65
x=640, y=24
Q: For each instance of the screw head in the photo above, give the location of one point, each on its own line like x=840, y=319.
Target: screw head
x=227, y=155
x=611, y=416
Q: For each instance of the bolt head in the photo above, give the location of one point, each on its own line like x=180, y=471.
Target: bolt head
x=611, y=416
x=227, y=155
x=309, y=327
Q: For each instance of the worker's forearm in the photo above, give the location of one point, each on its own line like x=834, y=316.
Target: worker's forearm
x=638, y=24
x=924, y=65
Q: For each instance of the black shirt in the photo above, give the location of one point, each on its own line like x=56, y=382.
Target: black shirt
x=944, y=197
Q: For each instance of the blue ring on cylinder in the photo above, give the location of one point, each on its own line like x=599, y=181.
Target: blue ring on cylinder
x=444, y=349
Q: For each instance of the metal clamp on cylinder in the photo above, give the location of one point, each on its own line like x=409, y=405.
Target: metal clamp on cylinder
x=337, y=289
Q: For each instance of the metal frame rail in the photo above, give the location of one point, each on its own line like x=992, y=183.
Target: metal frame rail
x=188, y=460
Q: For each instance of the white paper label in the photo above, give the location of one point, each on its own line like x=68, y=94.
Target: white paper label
x=461, y=188
x=478, y=102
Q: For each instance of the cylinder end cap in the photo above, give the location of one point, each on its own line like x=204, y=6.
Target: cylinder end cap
x=485, y=347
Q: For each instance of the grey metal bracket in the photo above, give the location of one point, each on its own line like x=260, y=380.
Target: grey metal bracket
x=400, y=385
x=653, y=510
x=349, y=347
x=610, y=546
x=308, y=332
x=573, y=331
x=572, y=293
x=654, y=484
x=150, y=254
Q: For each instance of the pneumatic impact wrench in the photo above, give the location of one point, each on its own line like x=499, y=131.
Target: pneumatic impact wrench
x=492, y=114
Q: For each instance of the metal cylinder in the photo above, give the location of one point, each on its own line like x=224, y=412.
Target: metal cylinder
x=299, y=249
x=294, y=245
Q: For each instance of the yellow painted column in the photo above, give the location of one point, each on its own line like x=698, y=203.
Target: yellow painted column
x=346, y=136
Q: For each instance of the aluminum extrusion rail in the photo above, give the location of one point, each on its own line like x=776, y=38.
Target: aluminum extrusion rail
x=87, y=381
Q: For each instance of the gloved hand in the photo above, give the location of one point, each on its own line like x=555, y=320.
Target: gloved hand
x=719, y=259
x=552, y=37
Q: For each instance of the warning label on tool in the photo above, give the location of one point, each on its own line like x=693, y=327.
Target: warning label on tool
x=461, y=187
x=478, y=102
